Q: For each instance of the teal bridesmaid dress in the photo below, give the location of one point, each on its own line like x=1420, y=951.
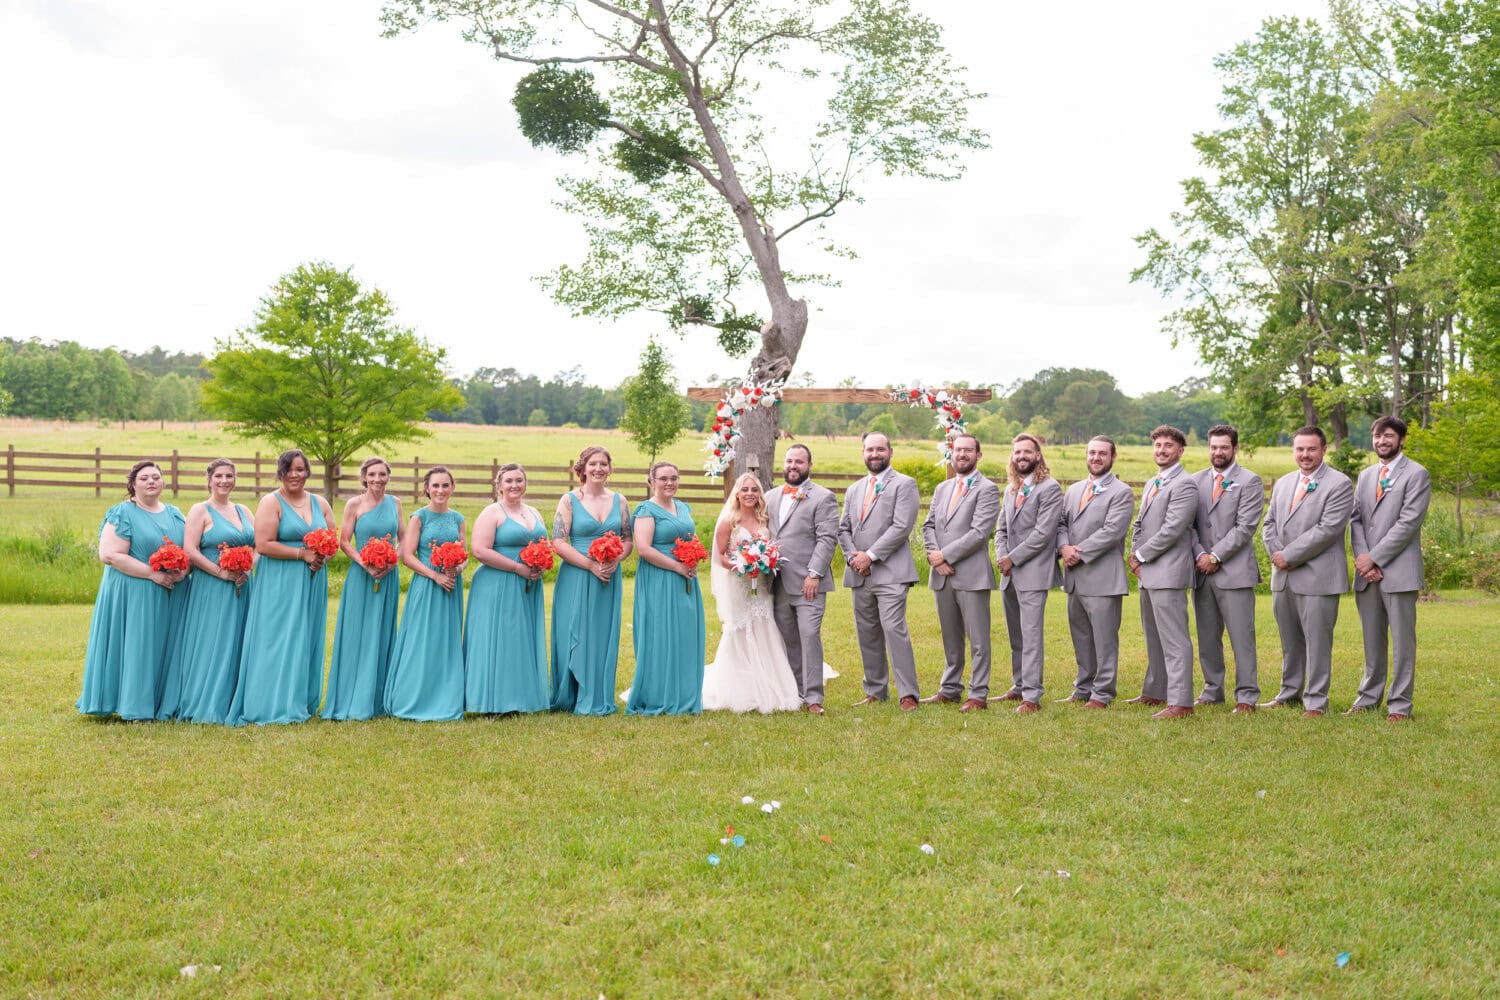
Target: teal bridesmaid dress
x=505, y=641
x=426, y=680
x=125, y=668
x=365, y=633
x=586, y=621
x=206, y=657
x=668, y=625
x=281, y=665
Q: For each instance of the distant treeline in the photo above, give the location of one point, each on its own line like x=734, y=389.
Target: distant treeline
x=66, y=381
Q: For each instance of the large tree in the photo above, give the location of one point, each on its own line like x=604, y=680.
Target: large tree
x=691, y=195
x=326, y=369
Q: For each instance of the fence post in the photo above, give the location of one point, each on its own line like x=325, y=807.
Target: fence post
x=174, y=472
x=416, y=479
x=98, y=482
x=494, y=471
x=257, y=473
x=10, y=469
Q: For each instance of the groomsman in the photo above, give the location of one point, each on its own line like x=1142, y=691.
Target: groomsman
x=879, y=513
x=957, y=532
x=1026, y=555
x=1304, y=533
x=1390, y=504
x=1091, y=542
x=805, y=527
x=1162, y=559
x=1231, y=499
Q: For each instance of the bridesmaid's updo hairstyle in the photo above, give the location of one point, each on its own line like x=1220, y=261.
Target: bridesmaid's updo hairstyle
x=285, y=459
x=218, y=463
x=366, y=465
x=135, y=470
x=588, y=453
x=651, y=474
x=436, y=470
x=500, y=474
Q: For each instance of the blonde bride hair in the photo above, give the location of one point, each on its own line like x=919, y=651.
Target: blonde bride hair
x=732, y=511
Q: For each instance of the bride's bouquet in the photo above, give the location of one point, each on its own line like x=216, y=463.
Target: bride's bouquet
x=755, y=559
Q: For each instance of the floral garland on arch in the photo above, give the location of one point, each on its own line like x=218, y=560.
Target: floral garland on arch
x=725, y=433
x=945, y=407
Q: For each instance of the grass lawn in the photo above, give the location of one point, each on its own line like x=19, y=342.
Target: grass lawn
x=555, y=856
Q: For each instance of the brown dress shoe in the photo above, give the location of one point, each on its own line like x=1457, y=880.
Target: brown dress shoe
x=1312, y=713
x=1243, y=708
x=1095, y=703
x=940, y=699
x=909, y=704
x=1028, y=708
x=974, y=705
x=1143, y=700
x=815, y=708
x=1397, y=717
x=1174, y=712
x=868, y=699
x=1011, y=695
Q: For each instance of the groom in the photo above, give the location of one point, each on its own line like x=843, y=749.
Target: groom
x=805, y=527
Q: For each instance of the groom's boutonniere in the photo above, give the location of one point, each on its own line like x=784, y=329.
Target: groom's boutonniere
x=800, y=493
x=1227, y=485
x=1312, y=486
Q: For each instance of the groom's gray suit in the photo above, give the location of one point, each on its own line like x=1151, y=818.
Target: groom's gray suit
x=805, y=529
x=1389, y=530
x=1305, y=597
x=883, y=531
x=961, y=528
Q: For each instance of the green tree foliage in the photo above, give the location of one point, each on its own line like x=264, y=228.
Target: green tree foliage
x=655, y=410
x=1074, y=403
x=325, y=368
x=174, y=398
x=1192, y=406
x=1461, y=449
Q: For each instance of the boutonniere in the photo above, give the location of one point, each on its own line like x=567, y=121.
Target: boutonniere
x=1227, y=485
x=1385, y=484
x=1095, y=489
x=800, y=493
x=880, y=487
x=1312, y=486
x=1025, y=491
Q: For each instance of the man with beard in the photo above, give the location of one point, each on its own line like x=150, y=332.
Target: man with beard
x=1304, y=533
x=1026, y=555
x=957, y=534
x=1390, y=504
x=1231, y=499
x=805, y=527
x=879, y=512
x=1091, y=542
x=1162, y=559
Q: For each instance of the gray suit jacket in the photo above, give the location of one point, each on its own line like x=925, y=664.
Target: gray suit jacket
x=1227, y=528
x=806, y=536
x=1312, y=538
x=1389, y=530
x=964, y=534
x=1099, y=533
x=885, y=534
x=1029, y=537
x=1163, y=532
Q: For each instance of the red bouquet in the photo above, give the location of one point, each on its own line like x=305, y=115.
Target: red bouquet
x=378, y=553
x=448, y=556
x=170, y=557
x=538, y=554
x=323, y=541
x=690, y=552
x=606, y=548
x=236, y=559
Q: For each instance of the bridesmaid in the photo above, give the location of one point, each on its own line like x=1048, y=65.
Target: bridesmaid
x=587, y=600
x=426, y=679
x=366, y=631
x=138, y=608
x=668, y=613
x=206, y=659
x=505, y=640
x=281, y=666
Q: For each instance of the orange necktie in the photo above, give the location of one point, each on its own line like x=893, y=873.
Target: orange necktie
x=869, y=498
x=959, y=493
x=1088, y=494
x=1301, y=492
x=1385, y=470
x=1218, y=486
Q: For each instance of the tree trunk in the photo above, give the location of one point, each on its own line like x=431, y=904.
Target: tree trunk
x=780, y=341
x=331, y=472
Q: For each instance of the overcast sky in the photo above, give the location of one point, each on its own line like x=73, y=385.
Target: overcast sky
x=165, y=162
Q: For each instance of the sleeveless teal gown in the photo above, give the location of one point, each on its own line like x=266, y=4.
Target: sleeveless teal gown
x=426, y=679
x=586, y=622
x=125, y=667
x=206, y=657
x=365, y=633
x=668, y=625
x=505, y=640
x=281, y=665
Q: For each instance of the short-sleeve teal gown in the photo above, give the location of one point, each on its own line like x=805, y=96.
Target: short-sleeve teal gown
x=668, y=625
x=124, y=669
x=586, y=621
x=365, y=633
x=505, y=637
x=281, y=665
x=426, y=680
x=206, y=658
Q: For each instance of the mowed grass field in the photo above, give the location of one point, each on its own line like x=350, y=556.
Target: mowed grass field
x=1074, y=854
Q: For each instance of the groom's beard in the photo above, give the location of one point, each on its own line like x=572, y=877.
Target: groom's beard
x=794, y=477
x=876, y=465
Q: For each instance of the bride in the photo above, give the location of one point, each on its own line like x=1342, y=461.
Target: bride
x=750, y=669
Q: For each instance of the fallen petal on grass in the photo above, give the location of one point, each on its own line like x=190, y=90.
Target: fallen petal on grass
x=748, y=800
x=739, y=840
x=767, y=808
x=1260, y=794
x=927, y=849
x=1342, y=959
x=825, y=838
x=713, y=859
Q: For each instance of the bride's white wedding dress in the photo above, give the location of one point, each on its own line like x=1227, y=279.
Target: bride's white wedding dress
x=750, y=670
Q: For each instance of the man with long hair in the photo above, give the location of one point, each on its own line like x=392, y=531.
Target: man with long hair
x=1026, y=555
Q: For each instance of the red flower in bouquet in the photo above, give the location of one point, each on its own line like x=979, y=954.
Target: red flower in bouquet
x=606, y=549
x=448, y=556
x=538, y=554
x=236, y=559
x=170, y=557
x=379, y=553
x=323, y=541
x=690, y=552
x=756, y=558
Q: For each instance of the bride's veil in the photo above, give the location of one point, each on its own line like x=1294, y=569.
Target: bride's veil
x=731, y=597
